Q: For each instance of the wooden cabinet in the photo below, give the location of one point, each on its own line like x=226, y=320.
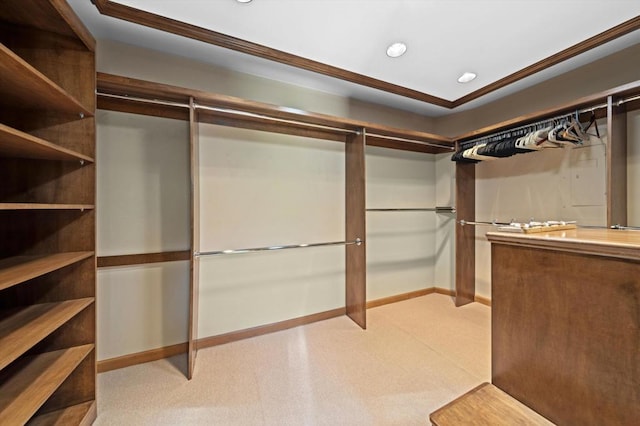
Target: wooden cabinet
x=47, y=215
x=566, y=323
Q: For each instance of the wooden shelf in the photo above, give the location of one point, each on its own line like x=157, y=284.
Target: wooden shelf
x=23, y=393
x=44, y=206
x=23, y=85
x=17, y=144
x=18, y=269
x=28, y=326
x=75, y=415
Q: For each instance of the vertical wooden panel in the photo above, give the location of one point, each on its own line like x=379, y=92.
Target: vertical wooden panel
x=195, y=238
x=356, y=266
x=616, y=164
x=566, y=332
x=465, y=235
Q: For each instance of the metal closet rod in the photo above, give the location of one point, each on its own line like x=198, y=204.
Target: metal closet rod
x=393, y=138
x=494, y=223
x=427, y=209
x=266, y=117
x=278, y=120
x=633, y=228
x=546, y=120
x=479, y=222
x=356, y=242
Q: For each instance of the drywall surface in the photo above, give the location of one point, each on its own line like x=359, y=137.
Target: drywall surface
x=400, y=244
x=261, y=189
x=554, y=184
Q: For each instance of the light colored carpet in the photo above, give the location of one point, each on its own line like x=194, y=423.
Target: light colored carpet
x=414, y=357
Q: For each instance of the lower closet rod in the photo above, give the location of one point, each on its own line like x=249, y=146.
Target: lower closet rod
x=356, y=242
x=427, y=209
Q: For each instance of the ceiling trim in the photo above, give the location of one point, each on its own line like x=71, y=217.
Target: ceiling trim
x=151, y=20
x=568, y=53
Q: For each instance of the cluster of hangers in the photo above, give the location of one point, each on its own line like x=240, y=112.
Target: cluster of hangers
x=556, y=132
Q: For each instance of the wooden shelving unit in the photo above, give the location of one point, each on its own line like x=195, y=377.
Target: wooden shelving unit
x=47, y=215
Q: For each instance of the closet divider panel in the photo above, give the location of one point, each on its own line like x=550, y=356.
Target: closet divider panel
x=465, y=235
x=356, y=261
x=194, y=283
x=616, y=163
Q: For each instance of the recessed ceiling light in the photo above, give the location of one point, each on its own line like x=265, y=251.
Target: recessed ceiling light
x=243, y=1
x=396, y=49
x=467, y=77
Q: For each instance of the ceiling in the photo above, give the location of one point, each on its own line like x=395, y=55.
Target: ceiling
x=494, y=38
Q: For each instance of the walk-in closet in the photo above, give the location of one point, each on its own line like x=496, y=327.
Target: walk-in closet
x=265, y=212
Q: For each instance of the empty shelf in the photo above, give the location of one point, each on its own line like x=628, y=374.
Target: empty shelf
x=74, y=415
x=24, y=85
x=18, y=269
x=17, y=144
x=24, y=392
x=28, y=326
x=44, y=206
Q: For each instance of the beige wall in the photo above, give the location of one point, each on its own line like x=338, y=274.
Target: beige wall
x=142, y=198
x=400, y=245
x=554, y=184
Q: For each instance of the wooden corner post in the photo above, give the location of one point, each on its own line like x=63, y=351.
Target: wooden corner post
x=465, y=235
x=194, y=267
x=616, y=163
x=355, y=215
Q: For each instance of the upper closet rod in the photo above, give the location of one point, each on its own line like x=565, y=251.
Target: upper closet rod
x=541, y=123
x=629, y=99
x=393, y=138
x=279, y=120
x=547, y=120
x=356, y=242
x=428, y=209
x=150, y=101
x=266, y=117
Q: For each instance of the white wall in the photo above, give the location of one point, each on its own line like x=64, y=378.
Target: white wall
x=445, y=223
x=400, y=245
x=554, y=184
x=143, y=199
x=633, y=168
x=264, y=189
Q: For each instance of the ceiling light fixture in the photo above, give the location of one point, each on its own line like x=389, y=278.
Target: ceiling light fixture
x=467, y=77
x=396, y=50
x=243, y=1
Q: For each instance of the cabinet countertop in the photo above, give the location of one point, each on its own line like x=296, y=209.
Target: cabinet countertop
x=601, y=242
